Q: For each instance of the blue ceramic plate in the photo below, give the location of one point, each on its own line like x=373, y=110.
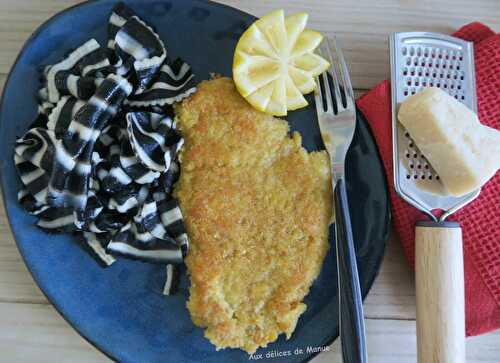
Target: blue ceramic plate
x=121, y=309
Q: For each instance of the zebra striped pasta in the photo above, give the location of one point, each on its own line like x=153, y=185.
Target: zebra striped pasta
x=101, y=158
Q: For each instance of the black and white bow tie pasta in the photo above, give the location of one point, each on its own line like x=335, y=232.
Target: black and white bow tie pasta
x=101, y=158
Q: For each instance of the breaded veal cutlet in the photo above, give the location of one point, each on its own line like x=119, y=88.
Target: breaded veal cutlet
x=257, y=208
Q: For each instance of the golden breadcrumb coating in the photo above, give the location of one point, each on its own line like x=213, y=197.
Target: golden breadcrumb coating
x=257, y=208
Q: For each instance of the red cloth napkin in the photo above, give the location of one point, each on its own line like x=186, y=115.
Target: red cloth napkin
x=480, y=220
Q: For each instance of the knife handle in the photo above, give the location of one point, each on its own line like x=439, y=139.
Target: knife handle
x=439, y=283
x=352, y=325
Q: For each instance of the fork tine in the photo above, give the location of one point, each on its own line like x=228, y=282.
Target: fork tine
x=327, y=54
x=345, y=79
x=318, y=98
x=328, y=93
x=324, y=77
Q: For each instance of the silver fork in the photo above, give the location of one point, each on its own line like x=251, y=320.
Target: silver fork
x=337, y=121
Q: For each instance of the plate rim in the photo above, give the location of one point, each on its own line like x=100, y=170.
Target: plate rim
x=31, y=39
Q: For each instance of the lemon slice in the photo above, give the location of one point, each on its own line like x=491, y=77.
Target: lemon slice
x=275, y=64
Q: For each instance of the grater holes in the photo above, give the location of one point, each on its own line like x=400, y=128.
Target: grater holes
x=428, y=66
x=417, y=166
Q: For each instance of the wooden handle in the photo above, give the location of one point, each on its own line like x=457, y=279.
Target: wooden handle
x=439, y=274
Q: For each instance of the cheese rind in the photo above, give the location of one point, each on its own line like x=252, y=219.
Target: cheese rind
x=463, y=152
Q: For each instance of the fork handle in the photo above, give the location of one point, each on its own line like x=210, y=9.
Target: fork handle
x=352, y=325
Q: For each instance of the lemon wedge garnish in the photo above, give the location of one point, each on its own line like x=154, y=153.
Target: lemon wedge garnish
x=275, y=64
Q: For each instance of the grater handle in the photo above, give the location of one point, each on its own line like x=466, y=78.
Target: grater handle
x=439, y=275
x=352, y=325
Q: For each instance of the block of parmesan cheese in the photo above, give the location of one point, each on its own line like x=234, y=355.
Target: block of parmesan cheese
x=463, y=152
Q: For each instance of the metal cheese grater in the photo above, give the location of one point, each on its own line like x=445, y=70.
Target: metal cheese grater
x=420, y=60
